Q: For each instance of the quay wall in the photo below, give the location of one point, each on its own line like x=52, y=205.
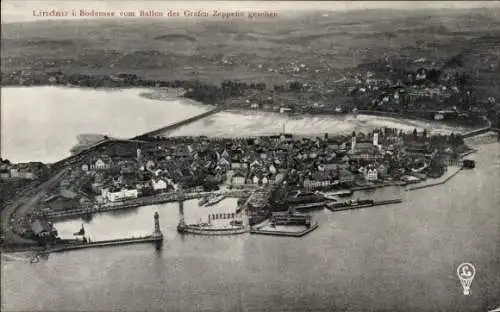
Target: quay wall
x=376, y=186
x=167, y=198
x=430, y=184
x=124, y=205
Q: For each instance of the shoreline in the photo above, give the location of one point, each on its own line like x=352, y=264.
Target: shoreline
x=12, y=248
x=180, y=93
x=136, y=205
x=440, y=181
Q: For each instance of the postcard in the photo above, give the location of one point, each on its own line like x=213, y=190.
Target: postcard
x=250, y=156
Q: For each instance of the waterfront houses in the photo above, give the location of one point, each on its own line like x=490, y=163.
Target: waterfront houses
x=114, y=195
x=313, y=163
x=23, y=171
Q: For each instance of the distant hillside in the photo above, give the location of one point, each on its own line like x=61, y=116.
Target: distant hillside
x=213, y=50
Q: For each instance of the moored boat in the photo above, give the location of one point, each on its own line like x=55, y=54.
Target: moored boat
x=257, y=217
x=80, y=233
x=352, y=204
x=329, y=196
x=309, y=206
x=469, y=164
x=212, y=200
x=203, y=201
x=355, y=204
x=342, y=193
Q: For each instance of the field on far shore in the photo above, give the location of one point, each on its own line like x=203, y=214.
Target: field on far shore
x=213, y=50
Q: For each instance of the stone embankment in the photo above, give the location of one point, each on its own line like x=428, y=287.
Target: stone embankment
x=453, y=171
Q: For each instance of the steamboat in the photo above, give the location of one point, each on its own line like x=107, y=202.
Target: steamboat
x=214, y=199
x=356, y=204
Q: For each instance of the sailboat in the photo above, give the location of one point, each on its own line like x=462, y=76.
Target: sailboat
x=81, y=232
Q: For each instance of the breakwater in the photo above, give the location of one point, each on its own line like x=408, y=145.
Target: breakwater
x=107, y=243
x=439, y=182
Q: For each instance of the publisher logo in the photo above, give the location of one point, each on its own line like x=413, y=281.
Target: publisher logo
x=466, y=273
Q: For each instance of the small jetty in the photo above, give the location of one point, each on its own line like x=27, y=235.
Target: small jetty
x=357, y=204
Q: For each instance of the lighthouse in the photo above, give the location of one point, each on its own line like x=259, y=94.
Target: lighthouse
x=157, y=234
x=181, y=226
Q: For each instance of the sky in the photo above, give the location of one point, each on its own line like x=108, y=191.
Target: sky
x=22, y=10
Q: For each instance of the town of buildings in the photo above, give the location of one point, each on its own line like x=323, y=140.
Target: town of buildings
x=129, y=171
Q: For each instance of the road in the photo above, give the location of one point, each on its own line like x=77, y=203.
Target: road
x=21, y=206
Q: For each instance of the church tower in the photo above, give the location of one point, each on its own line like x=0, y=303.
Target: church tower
x=138, y=154
x=353, y=141
x=375, y=139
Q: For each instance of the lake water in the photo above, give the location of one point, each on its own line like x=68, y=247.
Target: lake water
x=42, y=123
x=390, y=258
x=226, y=124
